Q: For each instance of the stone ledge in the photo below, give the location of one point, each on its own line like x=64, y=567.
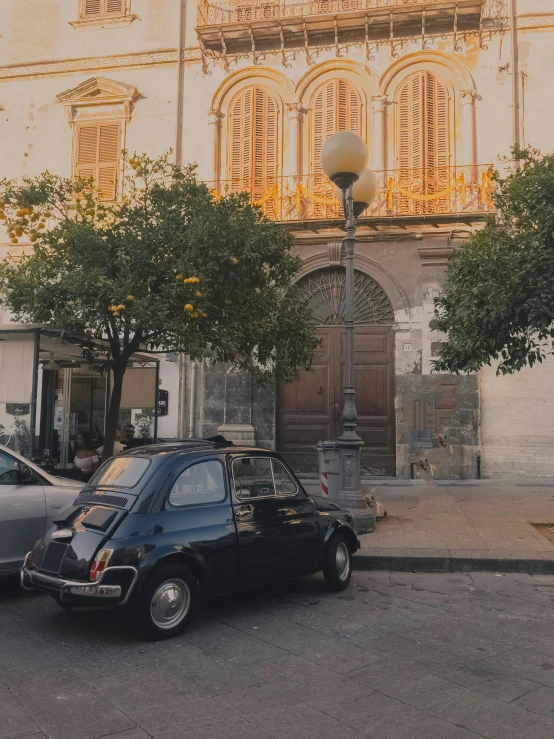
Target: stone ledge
x=454, y=560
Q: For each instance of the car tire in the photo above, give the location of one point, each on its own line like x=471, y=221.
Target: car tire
x=337, y=564
x=166, y=603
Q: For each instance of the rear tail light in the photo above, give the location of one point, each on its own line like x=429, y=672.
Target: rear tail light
x=100, y=563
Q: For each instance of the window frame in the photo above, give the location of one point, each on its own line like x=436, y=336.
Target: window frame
x=276, y=495
x=169, y=506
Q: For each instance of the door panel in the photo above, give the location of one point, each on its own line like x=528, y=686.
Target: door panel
x=22, y=521
x=278, y=534
x=299, y=431
x=307, y=406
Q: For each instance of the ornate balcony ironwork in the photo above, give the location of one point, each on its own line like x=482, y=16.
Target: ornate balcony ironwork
x=216, y=12
x=465, y=190
x=229, y=27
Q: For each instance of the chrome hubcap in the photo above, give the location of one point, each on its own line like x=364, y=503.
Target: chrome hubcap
x=170, y=603
x=343, y=561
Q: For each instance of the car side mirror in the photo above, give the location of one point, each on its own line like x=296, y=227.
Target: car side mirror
x=26, y=475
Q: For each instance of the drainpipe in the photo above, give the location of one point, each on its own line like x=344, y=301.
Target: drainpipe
x=192, y=406
x=180, y=83
x=515, y=76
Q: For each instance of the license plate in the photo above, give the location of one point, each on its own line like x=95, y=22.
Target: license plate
x=53, y=557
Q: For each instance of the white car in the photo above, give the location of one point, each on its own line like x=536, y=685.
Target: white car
x=30, y=499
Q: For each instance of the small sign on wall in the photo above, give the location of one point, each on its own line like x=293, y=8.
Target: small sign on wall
x=163, y=402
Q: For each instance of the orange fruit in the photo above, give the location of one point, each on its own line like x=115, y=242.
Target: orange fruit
x=179, y=277
x=116, y=314
x=189, y=307
x=199, y=294
x=129, y=298
x=204, y=315
x=121, y=307
x=40, y=225
x=194, y=314
x=234, y=260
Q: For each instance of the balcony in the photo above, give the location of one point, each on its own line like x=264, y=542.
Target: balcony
x=233, y=26
x=413, y=195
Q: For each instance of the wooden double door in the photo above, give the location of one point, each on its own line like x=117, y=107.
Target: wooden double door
x=310, y=409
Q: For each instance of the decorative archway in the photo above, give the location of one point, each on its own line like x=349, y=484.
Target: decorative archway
x=309, y=410
x=324, y=292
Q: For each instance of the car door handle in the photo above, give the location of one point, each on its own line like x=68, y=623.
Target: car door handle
x=56, y=505
x=243, y=511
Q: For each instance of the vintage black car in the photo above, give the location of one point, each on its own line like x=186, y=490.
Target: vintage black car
x=158, y=523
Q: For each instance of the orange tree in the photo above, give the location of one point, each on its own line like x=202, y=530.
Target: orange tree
x=170, y=268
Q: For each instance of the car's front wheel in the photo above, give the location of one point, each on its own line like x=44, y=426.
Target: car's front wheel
x=337, y=564
x=167, y=602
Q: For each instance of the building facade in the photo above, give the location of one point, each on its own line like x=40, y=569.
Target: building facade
x=249, y=90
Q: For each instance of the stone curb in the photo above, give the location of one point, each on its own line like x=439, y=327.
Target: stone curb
x=444, y=560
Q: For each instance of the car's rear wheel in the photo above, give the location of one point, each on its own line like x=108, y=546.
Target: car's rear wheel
x=337, y=564
x=167, y=602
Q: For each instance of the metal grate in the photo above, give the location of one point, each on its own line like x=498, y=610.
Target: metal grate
x=117, y=501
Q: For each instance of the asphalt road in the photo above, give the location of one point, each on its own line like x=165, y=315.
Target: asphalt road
x=397, y=656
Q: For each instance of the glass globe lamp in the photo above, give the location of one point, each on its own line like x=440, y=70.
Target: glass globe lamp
x=364, y=191
x=344, y=157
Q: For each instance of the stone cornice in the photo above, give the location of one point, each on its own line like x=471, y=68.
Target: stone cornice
x=89, y=64
x=536, y=20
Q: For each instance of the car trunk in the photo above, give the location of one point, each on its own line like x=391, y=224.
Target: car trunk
x=72, y=543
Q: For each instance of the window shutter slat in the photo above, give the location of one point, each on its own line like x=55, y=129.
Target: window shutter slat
x=336, y=107
x=107, y=181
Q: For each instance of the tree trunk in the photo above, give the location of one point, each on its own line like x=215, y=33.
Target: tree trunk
x=118, y=370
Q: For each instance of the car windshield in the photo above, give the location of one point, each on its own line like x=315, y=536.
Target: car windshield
x=123, y=472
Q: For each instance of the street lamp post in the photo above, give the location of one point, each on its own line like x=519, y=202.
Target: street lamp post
x=344, y=160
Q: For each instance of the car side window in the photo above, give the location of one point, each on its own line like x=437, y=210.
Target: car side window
x=253, y=477
x=284, y=484
x=9, y=470
x=203, y=482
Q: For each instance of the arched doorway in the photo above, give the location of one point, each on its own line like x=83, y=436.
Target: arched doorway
x=309, y=410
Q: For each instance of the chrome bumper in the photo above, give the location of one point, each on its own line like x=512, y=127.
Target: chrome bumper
x=68, y=590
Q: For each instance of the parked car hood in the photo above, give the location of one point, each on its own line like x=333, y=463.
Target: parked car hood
x=52, y=479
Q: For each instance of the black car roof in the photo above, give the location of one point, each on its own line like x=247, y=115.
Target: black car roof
x=190, y=445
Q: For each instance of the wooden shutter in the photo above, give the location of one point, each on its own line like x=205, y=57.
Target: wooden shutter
x=115, y=7
x=91, y=8
x=253, y=128
x=98, y=156
x=423, y=137
x=101, y=8
x=336, y=107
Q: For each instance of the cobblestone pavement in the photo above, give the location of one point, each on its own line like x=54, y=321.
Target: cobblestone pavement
x=397, y=656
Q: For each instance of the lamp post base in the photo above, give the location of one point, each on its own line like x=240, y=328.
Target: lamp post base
x=350, y=496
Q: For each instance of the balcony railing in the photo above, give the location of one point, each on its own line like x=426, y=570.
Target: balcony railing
x=216, y=12
x=414, y=192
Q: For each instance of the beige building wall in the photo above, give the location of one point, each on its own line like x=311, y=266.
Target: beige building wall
x=46, y=51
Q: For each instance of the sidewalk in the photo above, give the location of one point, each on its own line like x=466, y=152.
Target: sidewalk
x=460, y=526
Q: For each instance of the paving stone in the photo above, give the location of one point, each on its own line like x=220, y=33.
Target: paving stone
x=538, y=701
x=14, y=719
x=257, y=700
x=66, y=707
x=385, y=718
x=485, y=679
x=303, y=722
x=531, y=665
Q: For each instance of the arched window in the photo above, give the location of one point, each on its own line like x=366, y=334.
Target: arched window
x=423, y=155
x=253, y=144
x=336, y=106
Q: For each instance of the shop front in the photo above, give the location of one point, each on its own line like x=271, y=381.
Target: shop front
x=49, y=394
